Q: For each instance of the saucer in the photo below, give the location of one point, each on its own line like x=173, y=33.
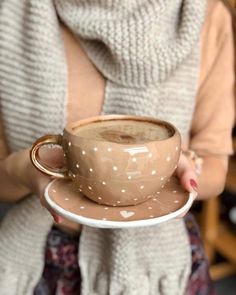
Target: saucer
x=62, y=196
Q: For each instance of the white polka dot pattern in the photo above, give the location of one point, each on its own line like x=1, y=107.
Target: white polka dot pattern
x=162, y=202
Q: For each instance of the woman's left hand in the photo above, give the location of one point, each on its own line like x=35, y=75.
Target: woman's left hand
x=187, y=176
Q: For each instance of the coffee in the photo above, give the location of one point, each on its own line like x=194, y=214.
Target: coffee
x=124, y=131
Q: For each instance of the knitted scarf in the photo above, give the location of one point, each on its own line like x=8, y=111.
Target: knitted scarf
x=148, y=51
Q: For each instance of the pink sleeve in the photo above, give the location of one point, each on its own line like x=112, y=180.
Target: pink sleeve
x=214, y=115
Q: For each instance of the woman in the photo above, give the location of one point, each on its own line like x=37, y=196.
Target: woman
x=172, y=61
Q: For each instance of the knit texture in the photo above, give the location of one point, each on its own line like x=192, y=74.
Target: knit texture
x=33, y=72
x=147, y=49
x=149, y=53
x=142, y=261
x=23, y=235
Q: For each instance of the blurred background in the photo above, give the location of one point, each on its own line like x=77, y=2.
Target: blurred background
x=217, y=220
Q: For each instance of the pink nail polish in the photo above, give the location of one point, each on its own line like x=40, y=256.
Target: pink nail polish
x=193, y=184
x=56, y=218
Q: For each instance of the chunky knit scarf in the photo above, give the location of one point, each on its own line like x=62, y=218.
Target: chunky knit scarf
x=148, y=50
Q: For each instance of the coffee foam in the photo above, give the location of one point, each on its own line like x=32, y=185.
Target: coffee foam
x=124, y=131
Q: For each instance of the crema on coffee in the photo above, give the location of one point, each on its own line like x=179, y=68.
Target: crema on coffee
x=124, y=131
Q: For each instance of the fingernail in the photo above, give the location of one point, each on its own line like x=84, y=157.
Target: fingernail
x=56, y=218
x=193, y=184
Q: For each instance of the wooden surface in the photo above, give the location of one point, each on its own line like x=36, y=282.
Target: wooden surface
x=225, y=242
x=222, y=270
x=233, y=2
x=231, y=177
x=217, y=238
x=209, y=226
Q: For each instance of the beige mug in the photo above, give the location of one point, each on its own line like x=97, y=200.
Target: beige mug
x=122, y=164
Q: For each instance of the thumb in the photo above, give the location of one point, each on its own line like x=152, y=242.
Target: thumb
x=187, y=175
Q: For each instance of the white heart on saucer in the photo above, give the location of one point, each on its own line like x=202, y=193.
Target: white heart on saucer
x=126, y=214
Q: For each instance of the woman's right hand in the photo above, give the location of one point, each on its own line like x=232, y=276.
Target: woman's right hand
x=38, y=181
x=24, y=178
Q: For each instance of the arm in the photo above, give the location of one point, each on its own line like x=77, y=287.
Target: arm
x=214, y=114
x=10, y=190
x=12, y=170
x=18, y=177
x=212, y=179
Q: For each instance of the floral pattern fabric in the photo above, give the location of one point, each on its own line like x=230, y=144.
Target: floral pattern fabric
x=200, y=282
x=61, y=275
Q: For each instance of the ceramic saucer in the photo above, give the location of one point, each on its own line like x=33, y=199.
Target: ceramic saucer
x=66, y=200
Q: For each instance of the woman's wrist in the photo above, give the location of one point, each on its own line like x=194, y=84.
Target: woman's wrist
x=19, y=169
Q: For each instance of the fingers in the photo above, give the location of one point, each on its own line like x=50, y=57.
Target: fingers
x=39, y=181
x=188, y=179
x=187, y=175
x=52, y=156
x=44, y=181
x=189, y=182
x=57, y=218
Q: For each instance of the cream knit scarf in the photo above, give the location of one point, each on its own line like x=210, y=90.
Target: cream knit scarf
x=148, y=50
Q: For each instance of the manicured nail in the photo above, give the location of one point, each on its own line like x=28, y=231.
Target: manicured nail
x=56, y=218
x=193, y=184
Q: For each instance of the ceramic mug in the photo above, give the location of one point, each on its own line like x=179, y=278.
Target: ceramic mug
x=123, y=163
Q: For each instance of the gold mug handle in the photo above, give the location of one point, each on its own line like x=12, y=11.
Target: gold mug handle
x=34, y=156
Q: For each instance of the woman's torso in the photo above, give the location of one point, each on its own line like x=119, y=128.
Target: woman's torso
x=85, y=84
x=86, y=87
x=85, y=90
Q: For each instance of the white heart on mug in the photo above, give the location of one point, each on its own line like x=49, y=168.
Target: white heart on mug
x=126, y=214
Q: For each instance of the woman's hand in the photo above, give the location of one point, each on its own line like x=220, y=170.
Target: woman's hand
x=25, y=178
x=54, y=157
x=38, y=181
x=187, y=176
x=19, y=177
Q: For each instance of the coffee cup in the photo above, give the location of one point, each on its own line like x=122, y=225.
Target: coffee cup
x=115, y=160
